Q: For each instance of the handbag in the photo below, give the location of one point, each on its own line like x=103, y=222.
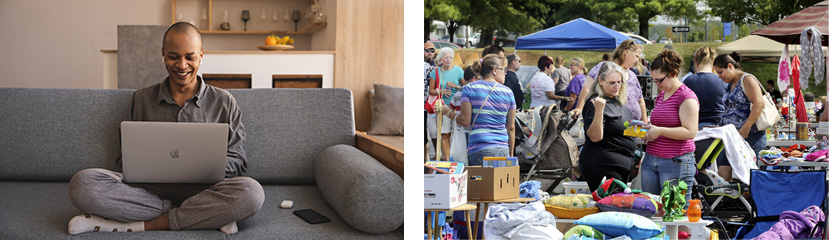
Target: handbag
x=430, y=102
x=769, y=115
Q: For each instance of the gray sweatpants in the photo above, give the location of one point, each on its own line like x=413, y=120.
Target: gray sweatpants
x=200, y=206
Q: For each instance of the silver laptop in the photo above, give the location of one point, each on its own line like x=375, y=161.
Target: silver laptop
x=173, y=152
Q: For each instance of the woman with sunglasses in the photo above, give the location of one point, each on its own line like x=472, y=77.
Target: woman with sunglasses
x=670, y=137
x=607, y=151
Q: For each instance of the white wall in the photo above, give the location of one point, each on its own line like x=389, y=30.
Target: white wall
x=56, y=44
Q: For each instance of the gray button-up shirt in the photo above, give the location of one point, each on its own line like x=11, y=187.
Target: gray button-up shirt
x=209, y=105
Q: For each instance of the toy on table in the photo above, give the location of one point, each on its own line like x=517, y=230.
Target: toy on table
x=634, y=128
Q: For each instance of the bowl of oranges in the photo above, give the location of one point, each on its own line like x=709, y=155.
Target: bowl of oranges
x=275, y=43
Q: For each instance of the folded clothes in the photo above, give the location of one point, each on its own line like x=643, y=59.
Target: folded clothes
x=819, y=156
x=795, y=154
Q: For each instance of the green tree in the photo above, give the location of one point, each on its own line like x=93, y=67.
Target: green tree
x=517, y=16
x=763, y=12
x=623, y=15
x=452, y=12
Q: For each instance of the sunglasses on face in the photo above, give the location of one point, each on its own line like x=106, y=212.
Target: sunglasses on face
x=431, y=50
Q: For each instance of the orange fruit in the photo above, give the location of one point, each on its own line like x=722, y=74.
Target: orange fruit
x=270, y=40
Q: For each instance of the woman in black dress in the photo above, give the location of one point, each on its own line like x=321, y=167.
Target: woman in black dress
x=607, y=152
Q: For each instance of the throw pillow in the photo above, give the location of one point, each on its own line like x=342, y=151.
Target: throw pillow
x=629, y=202
x=616, y=224
x=583, y=232
x=387, y=115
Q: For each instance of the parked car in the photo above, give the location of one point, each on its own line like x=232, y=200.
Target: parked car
x=501, y=37
x=472, y=42
x=442, y=44
x=510, y=44
x=666, y=41
x=638, y=38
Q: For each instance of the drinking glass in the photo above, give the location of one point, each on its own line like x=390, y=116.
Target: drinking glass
x=245, y=18
x=275, y=18
x=296, y=16
x=264, y=18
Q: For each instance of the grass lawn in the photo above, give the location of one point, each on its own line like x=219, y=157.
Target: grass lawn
x=763, y=71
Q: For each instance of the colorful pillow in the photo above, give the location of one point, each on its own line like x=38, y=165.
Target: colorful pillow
x=583, y=232
x=616, y=224
x=629, y=202
x=577, y=201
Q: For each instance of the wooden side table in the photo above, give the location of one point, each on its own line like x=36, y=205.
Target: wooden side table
x=486, y=209
x=465, y=208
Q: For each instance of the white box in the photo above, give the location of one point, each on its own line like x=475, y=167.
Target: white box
x=573, y=188
x=444, y=191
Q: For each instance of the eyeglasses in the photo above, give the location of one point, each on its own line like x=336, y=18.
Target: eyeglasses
x=659, y=80
x=431, y=50
x=619, y=83
x=519, y=60
x=502, y=69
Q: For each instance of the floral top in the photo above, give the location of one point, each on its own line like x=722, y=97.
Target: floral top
x=737, y=105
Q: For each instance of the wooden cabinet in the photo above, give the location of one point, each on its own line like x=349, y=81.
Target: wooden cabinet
x=208, y=15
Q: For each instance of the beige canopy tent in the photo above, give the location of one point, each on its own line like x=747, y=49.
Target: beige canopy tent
x=755, y=48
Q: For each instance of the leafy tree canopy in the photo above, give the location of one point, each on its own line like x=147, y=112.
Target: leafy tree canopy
x=763, y=12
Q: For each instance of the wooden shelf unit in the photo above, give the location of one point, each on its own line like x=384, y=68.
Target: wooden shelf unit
x=307, y=29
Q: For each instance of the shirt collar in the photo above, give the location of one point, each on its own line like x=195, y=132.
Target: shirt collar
x=164, y=92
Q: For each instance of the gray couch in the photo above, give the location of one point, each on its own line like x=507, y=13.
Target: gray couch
x=300, y=146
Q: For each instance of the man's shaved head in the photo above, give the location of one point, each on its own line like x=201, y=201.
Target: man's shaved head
x=182, y=27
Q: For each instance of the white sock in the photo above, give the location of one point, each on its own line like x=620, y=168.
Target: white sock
x=230, y=228
x=91, y=223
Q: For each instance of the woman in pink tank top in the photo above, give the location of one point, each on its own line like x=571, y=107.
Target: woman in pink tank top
x=670, y=137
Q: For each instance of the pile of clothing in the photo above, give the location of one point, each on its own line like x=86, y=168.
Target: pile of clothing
x=775, y=155
x=794, y=225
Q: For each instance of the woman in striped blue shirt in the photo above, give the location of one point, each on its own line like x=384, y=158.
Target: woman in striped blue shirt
x=489, y=108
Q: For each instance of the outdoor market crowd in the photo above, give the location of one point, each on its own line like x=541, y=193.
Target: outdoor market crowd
x=482, y=100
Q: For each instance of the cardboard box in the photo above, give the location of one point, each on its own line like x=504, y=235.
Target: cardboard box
x=444, y=191
x=489, y=184
x=500, y=161
x=573, y=188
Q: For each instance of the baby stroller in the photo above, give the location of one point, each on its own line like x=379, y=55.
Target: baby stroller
x=558, y=154
x=719, y=198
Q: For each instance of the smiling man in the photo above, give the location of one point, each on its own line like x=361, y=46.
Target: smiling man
x=110, y=205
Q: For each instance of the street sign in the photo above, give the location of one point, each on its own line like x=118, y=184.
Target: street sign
x=726, y=27
x=680, y=29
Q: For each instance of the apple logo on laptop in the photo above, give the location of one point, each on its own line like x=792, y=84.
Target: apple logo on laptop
x=174, y=153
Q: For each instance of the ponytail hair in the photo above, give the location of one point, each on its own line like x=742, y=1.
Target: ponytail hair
x=704, y=56
x=723, y=60
x=489, y=63
x=668, y=61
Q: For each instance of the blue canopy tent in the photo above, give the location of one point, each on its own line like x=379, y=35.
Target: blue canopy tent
x=577, y=35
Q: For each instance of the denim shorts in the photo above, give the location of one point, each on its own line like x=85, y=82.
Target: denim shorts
x=656, y=170
x=477, y=158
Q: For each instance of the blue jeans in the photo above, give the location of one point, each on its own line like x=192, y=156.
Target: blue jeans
x=477, y=158
x=656, y=170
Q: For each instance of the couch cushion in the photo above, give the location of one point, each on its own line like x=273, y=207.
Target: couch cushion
x=288, y=128
x=50, y=134
x=387, y=115
x=365, y=193
x=41, y=210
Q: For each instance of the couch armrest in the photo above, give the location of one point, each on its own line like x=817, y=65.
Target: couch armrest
x=388, y=155
x=366, y=194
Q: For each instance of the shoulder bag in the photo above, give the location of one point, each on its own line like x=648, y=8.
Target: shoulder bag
x=430, y=102
x=769, y=115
